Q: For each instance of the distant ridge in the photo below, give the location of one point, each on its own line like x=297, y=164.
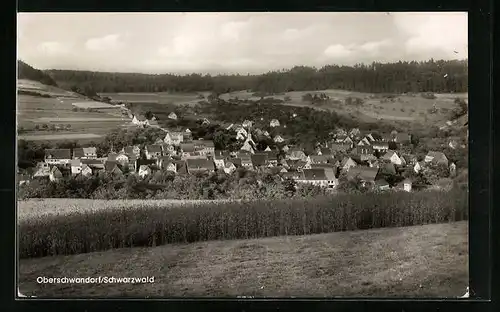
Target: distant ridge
x=25, y=71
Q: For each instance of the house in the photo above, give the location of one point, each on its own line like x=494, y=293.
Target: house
x=354, y=133
x=339, y=138
x=405, y=185
x=132, y=150
x=132, y=161
x=162, y=161
x=347, y=163
x=249, y=145
x=247, y=124
x=219, y=160
x=274, y=123
x=145, y=162
x=282, y=170
x=266, y=134
x=292, y=175
x=392, y=157
x=205, y=147
x=296, y=153
x=436, y=158
x=94, y=164
x=259, y=160
x=367, y=157
x=453, y=170
x=339, y=147
x=168, y=149
x=205, y=122
x=402, y=138
x=76, y=167
x=187, y=149
x=111, y=167
x=318, y=177
x=366, y=175
x=174, y=138
x=58, y=156
x=382, y=185
x=278, y=139
x=241, y=133
x=172, y=116
x=122, y=159
x=452, y=144
x=55, y=174
x=268, y=149
x=246, y=161
x=285, y=148
x=318, y=159
x=229, y=167
x=409, y=160
x=387, y=168
x=42, y=169
x=153, y=151
x=199, y=165
x=364, y=150
x=419, y=166
x=380, y=146
x=298, y=165
x=85, y=153
x=140, y=120
x=23, y=179
x=236, y=162
x=364, y=142
x=348, y=141
x=181, y=166
x=144, y=171
x=86, y=171
x=272, y=158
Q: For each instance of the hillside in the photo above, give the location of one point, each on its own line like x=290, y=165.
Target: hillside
x=418, y=261
x=431, y=76
x=25, y=71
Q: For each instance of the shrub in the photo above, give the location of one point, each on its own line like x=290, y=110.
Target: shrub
x=152, y=226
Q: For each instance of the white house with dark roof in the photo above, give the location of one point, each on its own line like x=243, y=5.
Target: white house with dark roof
x=153, y=151
x=392, y=157
x=76, y=167
x=58, y=156
x=174, y=138
x=274, y=123
x=85, y=153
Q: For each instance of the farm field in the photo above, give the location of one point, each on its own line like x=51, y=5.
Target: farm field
x=160, y=97
x=416, y=261
x=34, y=208
x=34, y=110
x=59, y=137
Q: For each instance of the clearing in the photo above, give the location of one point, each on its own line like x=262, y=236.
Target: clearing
x=419, y=261
x=190, y=98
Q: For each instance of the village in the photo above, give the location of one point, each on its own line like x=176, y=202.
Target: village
x=366, y=158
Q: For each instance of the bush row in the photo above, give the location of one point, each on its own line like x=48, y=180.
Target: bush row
x=148, y=226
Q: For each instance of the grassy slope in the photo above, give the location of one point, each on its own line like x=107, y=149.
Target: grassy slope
x=420, y=261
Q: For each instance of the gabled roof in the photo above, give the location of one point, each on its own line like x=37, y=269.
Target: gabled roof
x=259, y=160
x=381, y=182
x=315, y=174
x=364, y=173
x=388, y=155
x=187, y=147
x=236, y=162
x=58, y=153
x=200, y=164
x=110, y=166
x=153, y=148
x=130, y=149
x=319, y=158
x=434, y=154
x=144, y=168
x=55, y=171
x=78, y=152
x=345, y=160
x=89, y=150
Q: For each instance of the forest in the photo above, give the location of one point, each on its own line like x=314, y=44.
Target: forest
x=431, y=76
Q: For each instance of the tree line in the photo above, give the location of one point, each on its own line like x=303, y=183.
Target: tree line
x=399, y=77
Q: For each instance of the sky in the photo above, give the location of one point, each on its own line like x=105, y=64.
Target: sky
x=235, y=42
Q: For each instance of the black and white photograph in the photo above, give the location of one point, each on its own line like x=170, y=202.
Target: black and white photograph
x=242, y=155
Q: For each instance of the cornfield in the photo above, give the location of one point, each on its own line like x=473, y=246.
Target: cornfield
x=143, y=225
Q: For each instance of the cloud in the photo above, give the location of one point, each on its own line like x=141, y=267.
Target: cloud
x=232, y=30
x=106, y=43
x=375, y=46
x=52, y=48
x=441, y=33
x=337, y=51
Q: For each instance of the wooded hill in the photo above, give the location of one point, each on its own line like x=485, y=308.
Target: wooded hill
x=25, y=71
x=430, y=76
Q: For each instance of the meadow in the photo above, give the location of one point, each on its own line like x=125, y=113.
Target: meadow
x=147, y=225
x=401, y=108
x=417, y=261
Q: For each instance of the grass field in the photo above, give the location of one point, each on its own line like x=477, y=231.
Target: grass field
x=403, y=108
x=59, y=137
x=417, y=261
